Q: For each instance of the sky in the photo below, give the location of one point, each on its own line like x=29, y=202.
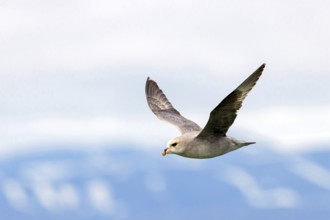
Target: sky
x=74, y=71
x=72, y=74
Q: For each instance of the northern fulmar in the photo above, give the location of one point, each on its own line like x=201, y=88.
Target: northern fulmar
x=195, y=142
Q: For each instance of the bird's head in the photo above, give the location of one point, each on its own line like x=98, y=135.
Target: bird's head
x=177, y=145
x=173, y=147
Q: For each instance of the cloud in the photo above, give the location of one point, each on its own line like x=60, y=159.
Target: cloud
x=48, y=182
x=86, y=132
x=89, y=35
x=286, y=129
x=312, y=172
x=56, y=199
x=46, y=171
x=74, y=71
x=291, y=129
x=280, y=197
x=101, y=196
x=15, y=194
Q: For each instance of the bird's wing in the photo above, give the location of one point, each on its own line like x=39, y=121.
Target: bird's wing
x=223, y=116
x=163, y=109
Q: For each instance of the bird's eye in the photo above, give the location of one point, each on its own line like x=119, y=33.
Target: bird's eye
x=174, y=144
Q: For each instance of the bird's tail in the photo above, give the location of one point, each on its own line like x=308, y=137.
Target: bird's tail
x=248, y=143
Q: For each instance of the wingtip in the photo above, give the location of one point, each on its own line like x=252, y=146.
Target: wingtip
x=148, y=81
x=261, y=68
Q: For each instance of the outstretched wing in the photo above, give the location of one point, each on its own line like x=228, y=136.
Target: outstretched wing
x=163, y=109
x=223, y=116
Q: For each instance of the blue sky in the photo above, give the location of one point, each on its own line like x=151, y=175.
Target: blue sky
x=73, y=72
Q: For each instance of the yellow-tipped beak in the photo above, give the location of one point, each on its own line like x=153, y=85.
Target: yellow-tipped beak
x=164, y=152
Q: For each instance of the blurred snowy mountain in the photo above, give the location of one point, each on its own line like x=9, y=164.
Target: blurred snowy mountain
x=122, y=183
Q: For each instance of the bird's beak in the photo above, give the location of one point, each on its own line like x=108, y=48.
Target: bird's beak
x=165, y=152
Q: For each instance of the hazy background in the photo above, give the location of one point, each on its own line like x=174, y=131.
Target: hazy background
x=78, y=140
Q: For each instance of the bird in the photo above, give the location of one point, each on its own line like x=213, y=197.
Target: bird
x=212, y=140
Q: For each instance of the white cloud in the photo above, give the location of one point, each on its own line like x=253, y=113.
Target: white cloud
x=15, y=21
x=312, y=172
x=46, y=172
x=280, y=197
x=88, y=35
x=16, y=194
x=291, y=129
x=286, y=129
x=101, y=197
x=47, y=179
x=55, y=60
x=86, y=132
x=68, y=196
x=56, y=199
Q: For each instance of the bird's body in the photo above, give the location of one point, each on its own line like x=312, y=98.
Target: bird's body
x=207, y=148
x=211, y=141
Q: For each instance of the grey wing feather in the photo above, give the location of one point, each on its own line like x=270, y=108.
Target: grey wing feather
x=223, y=116
x=163, y=109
